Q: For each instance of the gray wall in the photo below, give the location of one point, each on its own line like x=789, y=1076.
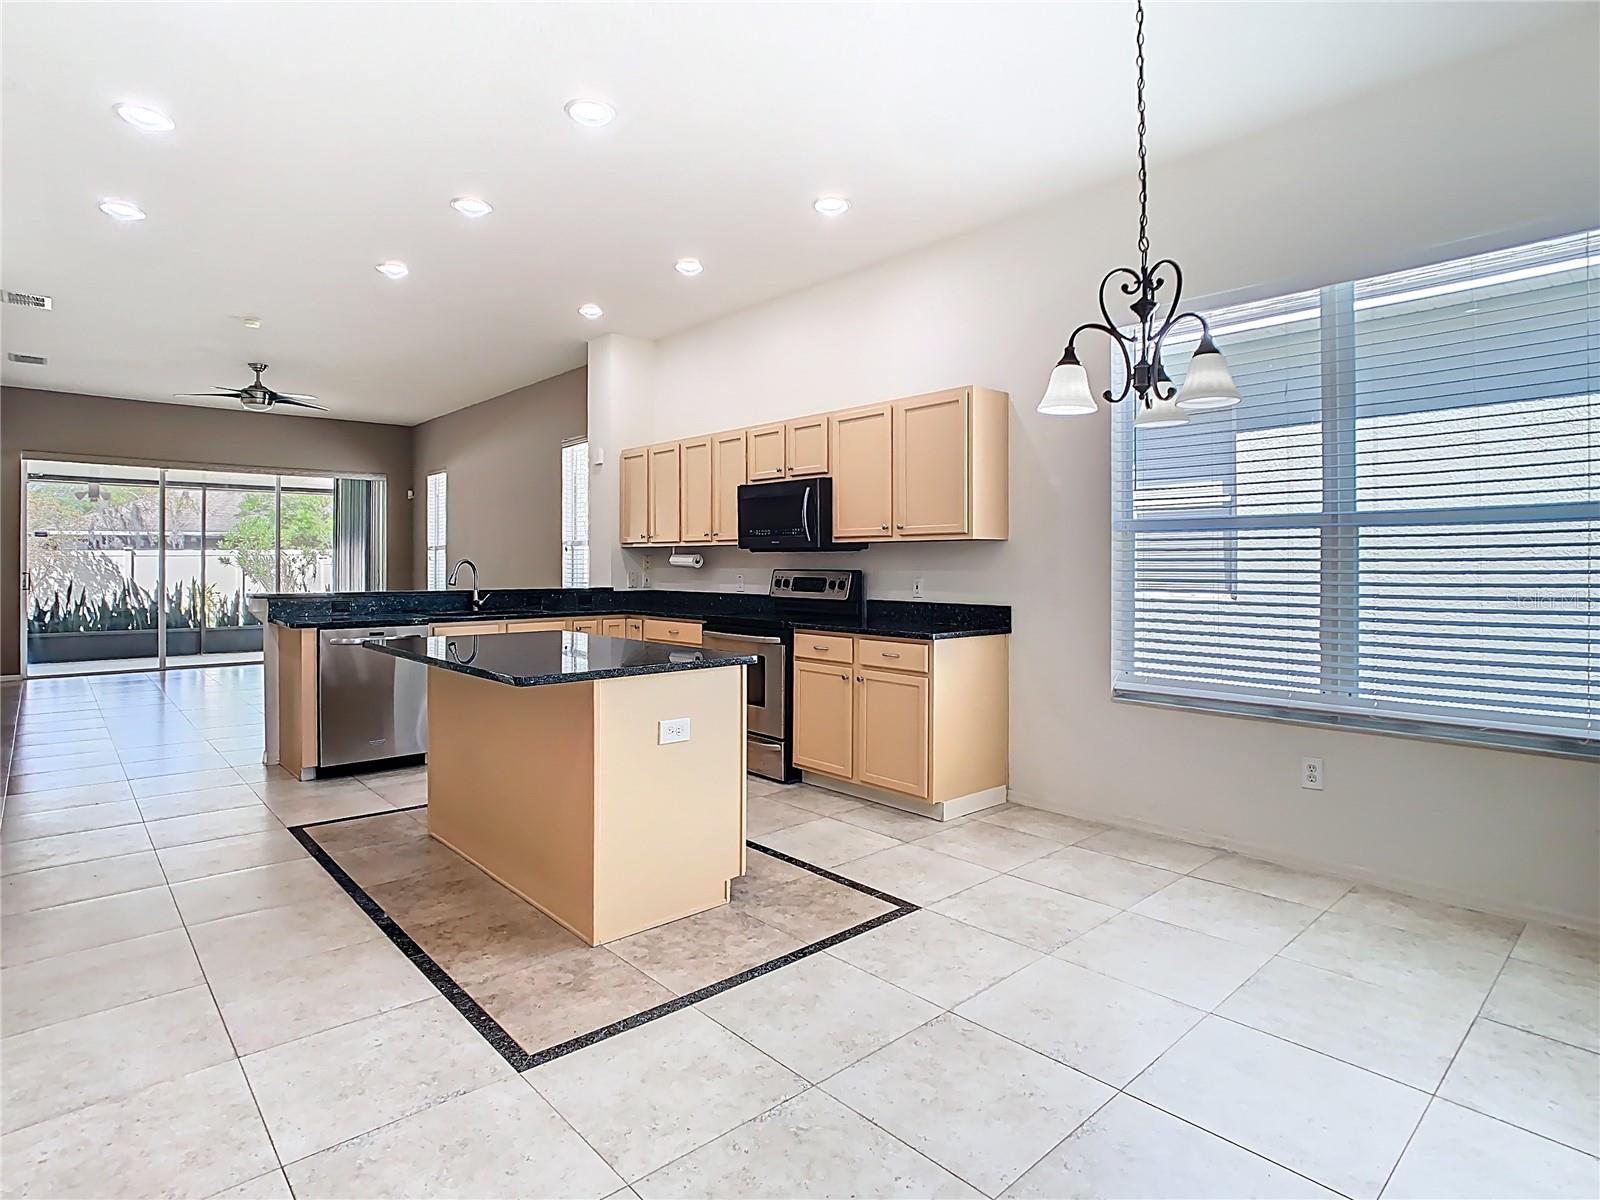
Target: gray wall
x=503, y=459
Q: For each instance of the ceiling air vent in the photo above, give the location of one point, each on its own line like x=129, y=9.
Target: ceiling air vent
x=30, y=300
x=36, y=360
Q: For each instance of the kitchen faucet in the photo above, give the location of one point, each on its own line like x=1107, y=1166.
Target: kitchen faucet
x=477, y=597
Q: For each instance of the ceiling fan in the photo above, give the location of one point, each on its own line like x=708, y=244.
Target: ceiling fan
x=257, y=395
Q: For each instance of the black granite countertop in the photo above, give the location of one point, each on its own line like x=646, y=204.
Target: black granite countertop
x=884, y=618
x=536, y=659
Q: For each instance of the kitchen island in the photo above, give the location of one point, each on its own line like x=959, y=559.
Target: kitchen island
x=600, y=779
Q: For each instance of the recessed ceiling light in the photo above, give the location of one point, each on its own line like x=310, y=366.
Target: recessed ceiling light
x=393, y=269
x=141, y=116
x=252, y=322
x=688, y=266
x=593, y=311
x=593, y=113
x=121, y=210
x=832, y=206
x=471, y=206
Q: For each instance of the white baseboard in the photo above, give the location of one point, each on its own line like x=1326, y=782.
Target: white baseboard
x=1421, y=888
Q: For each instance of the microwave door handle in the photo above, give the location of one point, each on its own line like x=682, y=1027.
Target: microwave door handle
x=805, y=513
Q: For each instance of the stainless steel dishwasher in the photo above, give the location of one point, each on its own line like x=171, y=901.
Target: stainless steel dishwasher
x=370, y=706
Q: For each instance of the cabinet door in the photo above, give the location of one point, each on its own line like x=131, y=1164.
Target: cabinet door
x=635, y=499
x=727, y=473
x=823, y=695
x=614, y=627
x=807, y=450
x=891, y=721
x=932, y=475
x=863, y=477
x=694, y=462
x=587, y=625
x=635, y=629
x=767, y=457
x=536, y=626
x=665, y=494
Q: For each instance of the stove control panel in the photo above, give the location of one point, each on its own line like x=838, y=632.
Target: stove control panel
x=817, y=585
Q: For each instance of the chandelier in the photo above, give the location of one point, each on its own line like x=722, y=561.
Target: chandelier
x=1207, y=385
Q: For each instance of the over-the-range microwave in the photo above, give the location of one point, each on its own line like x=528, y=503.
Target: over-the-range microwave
x=789, y=514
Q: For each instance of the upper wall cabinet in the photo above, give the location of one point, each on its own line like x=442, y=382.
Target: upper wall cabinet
x=635, y=499
x=925, y=468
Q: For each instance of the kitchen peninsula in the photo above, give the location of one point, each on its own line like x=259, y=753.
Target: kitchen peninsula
x=602, y=780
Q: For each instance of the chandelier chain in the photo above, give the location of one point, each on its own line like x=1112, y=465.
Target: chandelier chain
x=1144, y=183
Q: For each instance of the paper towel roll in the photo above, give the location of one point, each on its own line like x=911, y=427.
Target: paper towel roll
x=687, y=560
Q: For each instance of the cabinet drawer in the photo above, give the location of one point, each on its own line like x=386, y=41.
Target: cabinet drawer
x=614, y=627
x=635, y=628
x=685, y=633
x=587, y=625
x=468, y=628
x=546, y=626
x=896, y=656
x=824, y=647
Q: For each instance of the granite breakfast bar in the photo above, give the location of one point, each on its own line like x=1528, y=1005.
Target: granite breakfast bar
x=600, y=779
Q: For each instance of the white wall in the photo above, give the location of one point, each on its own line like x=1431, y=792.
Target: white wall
x=1480, y=155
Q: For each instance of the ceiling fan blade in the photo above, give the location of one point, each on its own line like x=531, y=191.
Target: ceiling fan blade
x=218, y=395
x=287, y=398
x=294, y=396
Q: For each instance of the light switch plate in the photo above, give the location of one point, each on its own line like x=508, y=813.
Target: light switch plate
x=674, y=730
x=916, y=588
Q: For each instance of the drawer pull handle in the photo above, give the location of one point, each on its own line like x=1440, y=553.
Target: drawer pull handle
x=889, y=653
x=883, y=527
x=898, y=526
x=819, y=647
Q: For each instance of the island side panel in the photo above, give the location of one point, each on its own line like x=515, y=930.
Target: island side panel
x=669, y=820
x=510, y=787
x=293, y=672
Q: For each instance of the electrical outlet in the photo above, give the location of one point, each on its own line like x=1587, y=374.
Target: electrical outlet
x=738, y=583
x=646, y=562
x=916, y=588
x=675, y=730
x=644, y=581
x=633, y=579
x=1311, y=776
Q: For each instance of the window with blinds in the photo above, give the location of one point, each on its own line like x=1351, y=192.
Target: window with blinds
x=438, y=566
x=575, y=514
x=1397, y=528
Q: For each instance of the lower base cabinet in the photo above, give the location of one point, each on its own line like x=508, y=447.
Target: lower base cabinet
x=824, y=702
x=891, y=731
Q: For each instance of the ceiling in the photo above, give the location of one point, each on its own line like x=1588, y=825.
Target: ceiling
x=316, y=140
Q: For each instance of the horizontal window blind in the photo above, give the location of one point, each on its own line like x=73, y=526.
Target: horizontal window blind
x=575, y=514
x=438, y=570
x=1398, y=527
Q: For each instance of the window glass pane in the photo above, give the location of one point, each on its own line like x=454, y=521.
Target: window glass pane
x=305, y=558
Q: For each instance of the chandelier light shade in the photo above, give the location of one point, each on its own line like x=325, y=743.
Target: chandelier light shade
x=1152, y=292
x=1068, y=393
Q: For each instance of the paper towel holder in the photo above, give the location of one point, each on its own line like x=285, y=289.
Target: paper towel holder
x=686, y=560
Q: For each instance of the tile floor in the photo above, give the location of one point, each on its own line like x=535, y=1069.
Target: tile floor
x=191, y=1007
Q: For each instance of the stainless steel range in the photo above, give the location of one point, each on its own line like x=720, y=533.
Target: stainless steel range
x=827, y=597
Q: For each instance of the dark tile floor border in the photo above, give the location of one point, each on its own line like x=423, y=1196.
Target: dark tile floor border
x=493, y=1033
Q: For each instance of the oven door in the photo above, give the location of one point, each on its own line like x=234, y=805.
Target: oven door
x=766, y=683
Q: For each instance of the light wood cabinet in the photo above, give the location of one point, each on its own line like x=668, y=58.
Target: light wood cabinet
x=951, y=465
x=728, y=471
x=586, y=625
x=680, y=633
x=806, y=446
x=466, y=628
x=767, y=451
x=616, y=627
x=635, y=497
x=666, y=493
x=824, y=737
x=891, y=730
x=635, y=629
x=825, y=647
x=694, y=466
x=863, y=487
x=540, y=626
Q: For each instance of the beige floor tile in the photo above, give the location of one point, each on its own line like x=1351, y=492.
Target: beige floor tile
x=811, y=1146
x=64, y=1067
x=188, y=1136
x=206, y=827
x=71, y=777
x=62, y=758
x=1438, y=922
x=386, y=862
x=1104, y=878
x=1561, y=949
x=827, y=842
x=271, y=1186
x=307, y=995
x=1169, y=854
x=932, y=956
x=1101, y=1026
x=645, y=1097
x=1544, y=1086
x=50, y=886
x=762, y=873
x=332, y=1086
x=765, y=815
x=992, y=846
x=1057, y=827
x=891, y=822
x=1552, y=1003
x=1024, y=912
x=813, y=908
x=703, y=949
x=500, y=1140
x=1182, y=964
x=1458, y=1154
x=255, y=941
x=184, y=781
x=271, y=886
x=200, y=859
x=453, y=890
x=57, y=799
x=65, y=848
x=1130, y=1151
x=1408, y=1036
x=187, y=804
x=916, y=874
x=65, y=986
x=505, y=936
x=330, y=805
x=819, y=800
x=982, y=1107
x=21, y=827
x=562, y=995
x=85, y=924
x=368, y=831
x=196, y=758
x=818, y=1015
x=1380, y=954
x=1334, y=1123
x=1251, y=874
x=1248, y=918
